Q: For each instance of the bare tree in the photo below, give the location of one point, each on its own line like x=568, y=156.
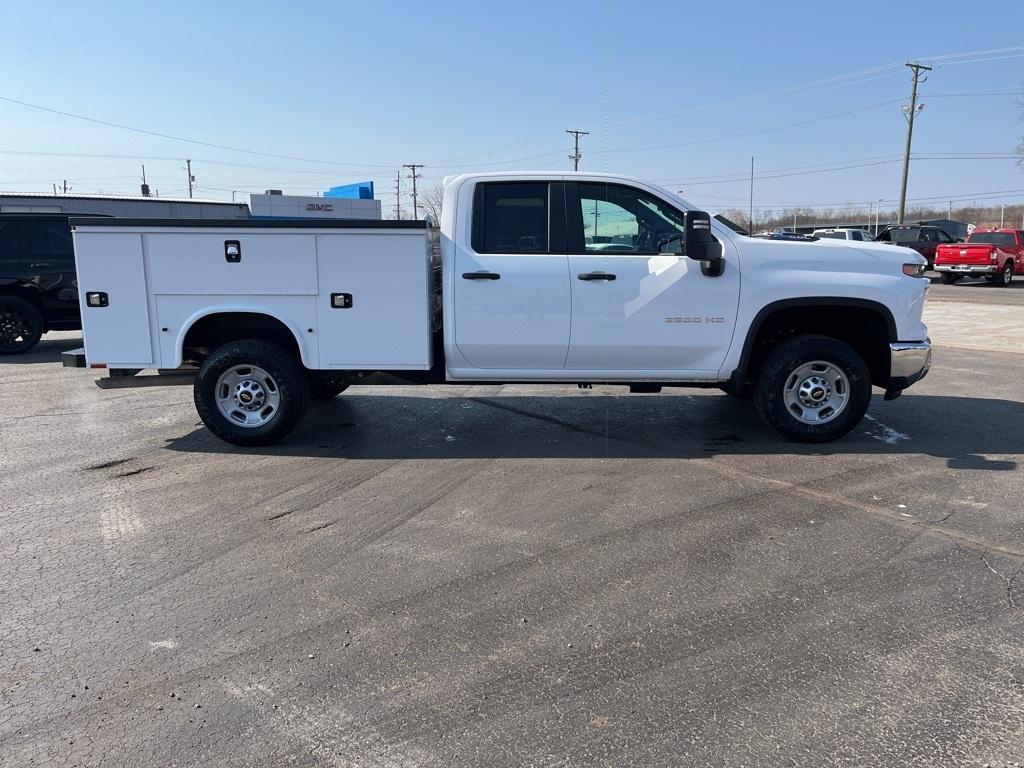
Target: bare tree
x=431, y=202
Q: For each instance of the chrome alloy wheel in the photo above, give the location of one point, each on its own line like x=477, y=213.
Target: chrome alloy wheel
x=247, y=396
x=816, y=392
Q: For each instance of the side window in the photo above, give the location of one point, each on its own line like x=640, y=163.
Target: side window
x=10, y=235
x=511, y=217
x=856, y=235
x=59, y=236
x=943, y=237
x=36, y=242
x=619, y=219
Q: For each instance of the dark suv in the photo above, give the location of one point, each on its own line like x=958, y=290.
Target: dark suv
x=38, y=287
x=923, y=238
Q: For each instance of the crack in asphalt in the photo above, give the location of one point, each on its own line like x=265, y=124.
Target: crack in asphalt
x=1007, y=580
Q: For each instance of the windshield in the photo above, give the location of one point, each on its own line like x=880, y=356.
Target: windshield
x=907, y=235
x=832, y=235
x=995, y=238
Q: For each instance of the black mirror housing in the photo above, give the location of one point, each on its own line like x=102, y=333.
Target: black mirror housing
x=700, y=245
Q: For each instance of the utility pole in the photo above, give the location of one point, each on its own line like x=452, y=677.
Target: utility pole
x=949, y=211
x=398, y=195
x=878, y=204
x=1002, y=216
x=412, y=167
x=55, y=188
x=191, y=178
x=65, y=186
x=751, y=219
x=910, y=112
x=145, y=186
x=575, y=156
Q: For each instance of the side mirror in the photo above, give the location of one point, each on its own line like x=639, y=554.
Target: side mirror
x=700, y=245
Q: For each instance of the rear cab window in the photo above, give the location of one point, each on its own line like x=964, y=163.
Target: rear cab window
x=511, y=217
x=992, y=238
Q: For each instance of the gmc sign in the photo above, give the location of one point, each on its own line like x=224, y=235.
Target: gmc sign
x=320, y=207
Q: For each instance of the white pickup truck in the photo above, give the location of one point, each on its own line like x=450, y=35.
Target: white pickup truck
x=531, y=277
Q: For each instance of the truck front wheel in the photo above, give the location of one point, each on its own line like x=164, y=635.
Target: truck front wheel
x=813, y=389
x=251, y=392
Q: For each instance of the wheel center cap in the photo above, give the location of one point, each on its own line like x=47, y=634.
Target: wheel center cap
x=814, y=391
x=249, y=395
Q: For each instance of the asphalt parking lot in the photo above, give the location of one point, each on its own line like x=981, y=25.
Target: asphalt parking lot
x=518, y=576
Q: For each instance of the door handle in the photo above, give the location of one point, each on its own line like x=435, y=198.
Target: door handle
x=596, y=276
x=481, y=276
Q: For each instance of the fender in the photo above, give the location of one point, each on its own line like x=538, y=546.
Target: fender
x=307, y=351
x=808, y=301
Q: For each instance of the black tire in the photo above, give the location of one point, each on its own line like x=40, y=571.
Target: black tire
x=325, y=389
x=1004, y=276
x=287, y=381
x=21, y=325
x=776, y=373
x=948, y=278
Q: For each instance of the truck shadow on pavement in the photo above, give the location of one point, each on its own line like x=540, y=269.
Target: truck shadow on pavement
x=46, y=351
x=593, y=426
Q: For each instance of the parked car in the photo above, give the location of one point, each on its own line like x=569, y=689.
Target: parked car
x=995, y=254
x=38, y=289
x=844, y=233
x=923, y=238
x=267, y=314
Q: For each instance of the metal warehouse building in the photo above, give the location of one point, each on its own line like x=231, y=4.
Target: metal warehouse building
x=125, y=207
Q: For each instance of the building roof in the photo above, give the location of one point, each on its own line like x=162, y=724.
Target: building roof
x=141, y=198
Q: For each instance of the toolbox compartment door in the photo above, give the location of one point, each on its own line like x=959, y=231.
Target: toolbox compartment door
x=117, y=334
x=373, y=309
x=197, y=263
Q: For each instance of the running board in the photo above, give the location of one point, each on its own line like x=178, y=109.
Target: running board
x=159, y=380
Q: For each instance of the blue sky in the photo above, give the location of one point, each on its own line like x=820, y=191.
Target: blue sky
x=666, y=89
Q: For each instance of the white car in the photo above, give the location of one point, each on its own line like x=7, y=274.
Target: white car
x=843, y=233
x=532, y=277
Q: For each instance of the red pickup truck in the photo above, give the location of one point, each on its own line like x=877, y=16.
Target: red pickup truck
x=995, y=254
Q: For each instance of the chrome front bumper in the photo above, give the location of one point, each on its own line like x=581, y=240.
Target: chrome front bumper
x=909, y=362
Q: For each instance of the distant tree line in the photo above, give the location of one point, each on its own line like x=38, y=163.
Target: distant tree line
x=979, y=215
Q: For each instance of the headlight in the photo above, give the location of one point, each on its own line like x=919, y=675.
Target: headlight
x=914, y=270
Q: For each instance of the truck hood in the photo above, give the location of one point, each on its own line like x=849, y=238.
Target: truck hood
x=887, y=257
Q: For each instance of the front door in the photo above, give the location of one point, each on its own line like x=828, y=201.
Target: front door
x=636, y=306
x=511, y=282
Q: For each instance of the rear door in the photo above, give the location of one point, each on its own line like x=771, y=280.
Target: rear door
x=511, y=281
x=634, y=307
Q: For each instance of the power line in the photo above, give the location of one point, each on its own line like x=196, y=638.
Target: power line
x=758, y=132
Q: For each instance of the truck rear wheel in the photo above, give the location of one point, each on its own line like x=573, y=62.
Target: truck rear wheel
x=1004, y=276
x=813, y=389
x=21, y=325
x=948, y=278
x=251, y=392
